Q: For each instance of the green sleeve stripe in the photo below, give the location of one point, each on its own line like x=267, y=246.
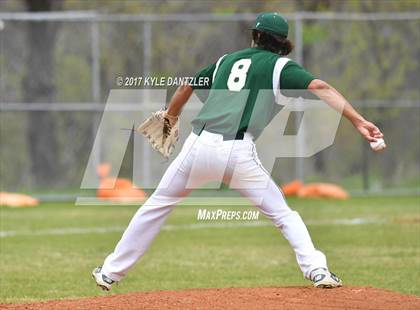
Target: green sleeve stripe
x=217, y=67
x=278, y=68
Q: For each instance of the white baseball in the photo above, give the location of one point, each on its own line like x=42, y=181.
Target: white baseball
x=379, y=145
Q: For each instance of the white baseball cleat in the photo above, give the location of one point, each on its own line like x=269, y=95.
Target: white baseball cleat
x=323, y=278
x=102, y=280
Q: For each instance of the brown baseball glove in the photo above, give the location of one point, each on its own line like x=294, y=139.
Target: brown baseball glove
x=162, y=131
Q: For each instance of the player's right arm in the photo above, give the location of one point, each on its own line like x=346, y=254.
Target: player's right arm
x=337, y=101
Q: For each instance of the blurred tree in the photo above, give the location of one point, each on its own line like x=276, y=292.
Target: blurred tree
x=38, y=86
x=372, y=60
x=364, y=60
x=310, y=26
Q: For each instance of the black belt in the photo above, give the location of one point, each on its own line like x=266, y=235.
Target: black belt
x=238, y=136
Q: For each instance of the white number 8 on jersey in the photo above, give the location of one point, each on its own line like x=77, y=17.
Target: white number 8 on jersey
x=237, y=76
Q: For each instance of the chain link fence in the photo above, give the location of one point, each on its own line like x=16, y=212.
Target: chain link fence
x=57, y=70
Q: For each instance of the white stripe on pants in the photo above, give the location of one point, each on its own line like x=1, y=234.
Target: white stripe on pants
x=207, y=158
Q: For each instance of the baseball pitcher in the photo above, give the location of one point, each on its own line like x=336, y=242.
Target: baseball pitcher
x=221, y=147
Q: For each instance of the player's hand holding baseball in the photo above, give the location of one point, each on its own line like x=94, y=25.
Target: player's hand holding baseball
x=371, y=133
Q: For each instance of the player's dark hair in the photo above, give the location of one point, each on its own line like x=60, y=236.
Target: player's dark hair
x=273, y=43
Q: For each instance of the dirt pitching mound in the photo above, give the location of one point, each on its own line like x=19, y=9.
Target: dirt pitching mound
x=295, y=298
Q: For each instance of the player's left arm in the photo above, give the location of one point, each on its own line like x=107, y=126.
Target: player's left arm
x=178, y=100
x=183, y=92
x=161, y=129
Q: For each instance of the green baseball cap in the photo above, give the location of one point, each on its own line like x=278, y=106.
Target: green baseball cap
x=273, y=23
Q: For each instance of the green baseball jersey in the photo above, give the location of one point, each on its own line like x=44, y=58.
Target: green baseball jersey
x=244, y=87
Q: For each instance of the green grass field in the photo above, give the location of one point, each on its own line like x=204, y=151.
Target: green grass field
x=48, y=252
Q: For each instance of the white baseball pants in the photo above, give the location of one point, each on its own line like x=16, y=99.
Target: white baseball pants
x=203, y=159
